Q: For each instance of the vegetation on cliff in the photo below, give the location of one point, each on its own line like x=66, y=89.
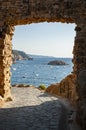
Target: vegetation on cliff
x=20, y=55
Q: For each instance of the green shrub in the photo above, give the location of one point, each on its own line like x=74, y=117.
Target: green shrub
x=42, y=86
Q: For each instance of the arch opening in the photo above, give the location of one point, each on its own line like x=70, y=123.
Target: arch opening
x=48, y=40
x=29, y=11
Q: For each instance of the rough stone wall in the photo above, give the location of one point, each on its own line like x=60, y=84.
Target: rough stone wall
x=29, y=11
x=6, y=33
x=66, y=88
x=20, y=12
x=80, y=70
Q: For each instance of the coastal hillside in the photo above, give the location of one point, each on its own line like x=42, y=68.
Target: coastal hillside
x=19, y=55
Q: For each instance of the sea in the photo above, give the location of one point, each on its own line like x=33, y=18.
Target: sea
x=37, y=71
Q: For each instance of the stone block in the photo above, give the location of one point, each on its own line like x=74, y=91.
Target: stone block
x=1, y=102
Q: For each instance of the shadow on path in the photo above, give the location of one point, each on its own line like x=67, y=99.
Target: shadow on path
x=45, y=116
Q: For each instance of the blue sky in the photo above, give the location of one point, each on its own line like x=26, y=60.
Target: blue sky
x=51, y=39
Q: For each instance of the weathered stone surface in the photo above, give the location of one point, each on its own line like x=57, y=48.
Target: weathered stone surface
x=82, y=98
x=66, y=88
x=5, y=61
x=18, y=12
x=82, y=84
x=1, y=102
x=79, y=61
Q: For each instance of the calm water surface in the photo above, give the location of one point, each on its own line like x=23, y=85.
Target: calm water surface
x=36, y=71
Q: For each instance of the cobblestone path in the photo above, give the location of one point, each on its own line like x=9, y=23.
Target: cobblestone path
x=32, y=109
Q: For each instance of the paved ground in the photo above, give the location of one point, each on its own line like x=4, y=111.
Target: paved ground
x=32, y=109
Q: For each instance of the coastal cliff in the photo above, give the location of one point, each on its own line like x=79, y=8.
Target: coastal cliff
x=20, y=55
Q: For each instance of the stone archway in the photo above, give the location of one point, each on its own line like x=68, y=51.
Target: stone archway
x=30, y=11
